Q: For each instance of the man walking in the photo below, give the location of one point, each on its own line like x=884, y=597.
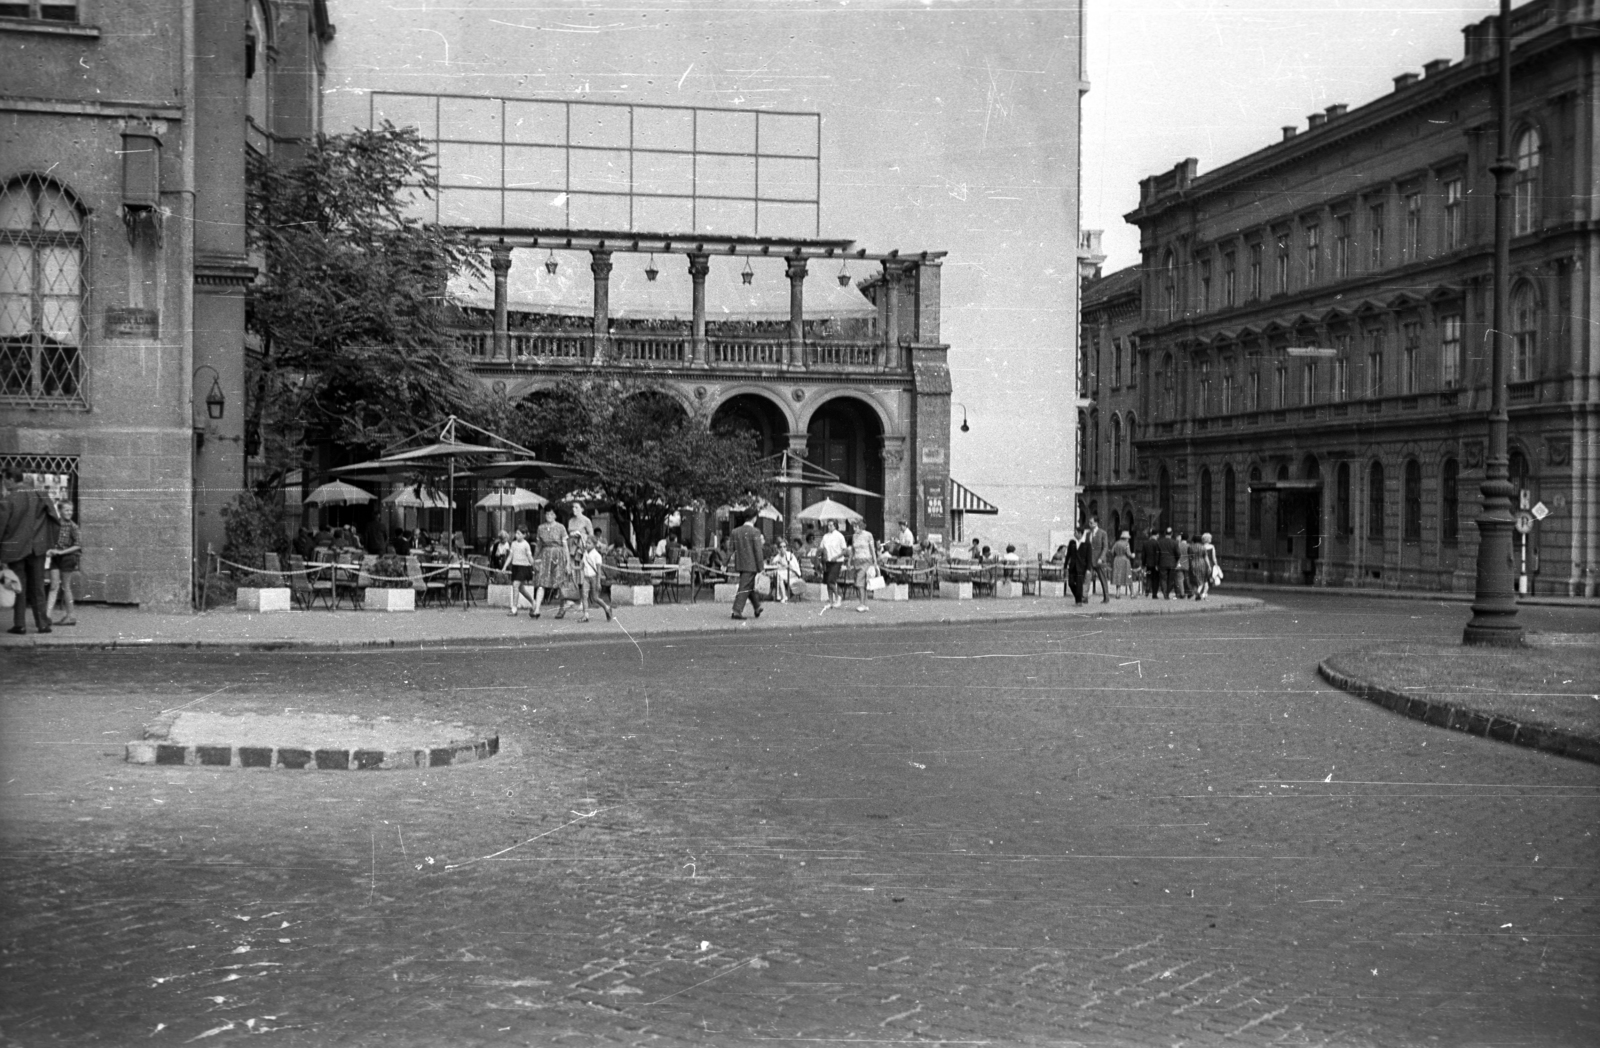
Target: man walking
x=28, y=528
x=1167, y=551
x=1099, y=541
x=748, y=559
x=1150, y=564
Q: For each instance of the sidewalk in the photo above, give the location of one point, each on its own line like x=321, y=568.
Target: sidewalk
x=1531, y=600
x=101, y=628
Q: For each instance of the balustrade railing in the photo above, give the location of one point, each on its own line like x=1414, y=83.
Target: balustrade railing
x=765, y=352
x=651, y=348
x=845, y=353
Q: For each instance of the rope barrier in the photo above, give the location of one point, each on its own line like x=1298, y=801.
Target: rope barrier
x=324, y=567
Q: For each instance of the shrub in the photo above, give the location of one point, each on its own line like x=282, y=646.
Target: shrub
x=252, y=528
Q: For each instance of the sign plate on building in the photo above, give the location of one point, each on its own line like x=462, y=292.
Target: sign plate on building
x=1524, y=522
x=1540, y=511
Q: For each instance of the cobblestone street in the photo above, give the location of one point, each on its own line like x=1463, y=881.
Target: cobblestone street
x=1155, y=830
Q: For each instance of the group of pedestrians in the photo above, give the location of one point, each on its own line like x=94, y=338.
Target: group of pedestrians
x=565, y=561
x=1176, y=566
x=40, y=549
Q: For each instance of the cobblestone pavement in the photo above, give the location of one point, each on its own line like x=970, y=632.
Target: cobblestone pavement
x=1154, y=831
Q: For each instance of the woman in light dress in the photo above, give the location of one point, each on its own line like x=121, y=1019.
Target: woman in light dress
x=864, y=559
x=552, y=564
x=1122, y=565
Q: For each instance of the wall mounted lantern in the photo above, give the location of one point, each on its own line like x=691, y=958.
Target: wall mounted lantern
x=651, y=272
x=550, y=263
x=964, y=427
x=747, y=274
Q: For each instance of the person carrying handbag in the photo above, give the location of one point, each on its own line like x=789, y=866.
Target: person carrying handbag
x=864, y=558
x=1207, y=571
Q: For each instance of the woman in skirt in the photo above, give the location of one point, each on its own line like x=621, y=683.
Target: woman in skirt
x=516, y=557
x=552, y=564
x=1122, y=565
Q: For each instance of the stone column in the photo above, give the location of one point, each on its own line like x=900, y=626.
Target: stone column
x=699, y=269
x=600, y=266
x=500, y=262
x=891, y=313
x=797, y=300
x=794, y=496
x=899, y=502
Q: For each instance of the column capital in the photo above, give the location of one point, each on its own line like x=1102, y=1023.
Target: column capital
x=699, y=264
x=500, y=257
x=798, y=443
x=600, y=262
x=795, y=268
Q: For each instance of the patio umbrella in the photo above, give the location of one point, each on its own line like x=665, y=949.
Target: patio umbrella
x=412, y=496
x=515, y=499
x=828, y=509
x=527, y=469
x=338, y=493
x=839, y=487
x=788, y=470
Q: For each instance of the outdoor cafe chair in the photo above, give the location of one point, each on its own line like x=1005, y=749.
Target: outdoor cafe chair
x=478, y=578
x=303, y=588
x=706, y=578
x=426, y=587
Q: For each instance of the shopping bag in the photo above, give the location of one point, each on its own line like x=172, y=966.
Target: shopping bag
x=875, y=583
x=1216, y=574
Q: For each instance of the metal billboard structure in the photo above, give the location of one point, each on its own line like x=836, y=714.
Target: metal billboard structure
x=529, y=162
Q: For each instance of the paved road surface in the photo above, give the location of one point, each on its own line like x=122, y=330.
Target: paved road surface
x=1157, y=831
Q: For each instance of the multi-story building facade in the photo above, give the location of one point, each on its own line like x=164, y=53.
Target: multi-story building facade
x=1312, y=363
x=1108, y=420
x=123, y=261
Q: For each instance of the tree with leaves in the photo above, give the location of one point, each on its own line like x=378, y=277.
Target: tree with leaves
x=650, y=457
x=350, y=314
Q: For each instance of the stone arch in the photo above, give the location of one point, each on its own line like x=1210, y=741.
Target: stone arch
x=755, y=412
x=844, y=435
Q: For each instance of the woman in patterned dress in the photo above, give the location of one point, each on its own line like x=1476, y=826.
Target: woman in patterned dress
x=1121, y=565
x=552, y=563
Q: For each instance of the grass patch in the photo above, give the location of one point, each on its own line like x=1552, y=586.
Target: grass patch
x=1554, y=687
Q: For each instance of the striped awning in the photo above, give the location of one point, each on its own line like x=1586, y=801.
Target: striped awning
x=962, y=500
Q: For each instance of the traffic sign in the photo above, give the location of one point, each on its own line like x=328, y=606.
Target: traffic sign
x=1540, y=511
x=1524, y=522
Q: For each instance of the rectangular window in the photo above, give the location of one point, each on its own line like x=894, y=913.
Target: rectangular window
x=1281, y=265
x=1308, y=383
x=41, y=10
x=1375, y=364
x=1375, y=238
x=1255, y=270
x=1230, y=288
x=1411, y=354
x=1252, y=392
x=1205, y=388
x=1313, y=253
x=1205, y=286
x=1450, y=350
x=1411, y=248
x=1452, y=214
x=1341, y=247
x=1227, y=390
x=1116, y=363
x=1281, y=390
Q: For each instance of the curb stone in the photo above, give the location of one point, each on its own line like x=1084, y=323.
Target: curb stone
x=1442, y=714
x=502, y=641
x=157, y=748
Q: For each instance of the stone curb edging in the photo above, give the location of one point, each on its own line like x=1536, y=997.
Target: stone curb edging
x=1441, y=714
x=335, y=758
x=296, y=644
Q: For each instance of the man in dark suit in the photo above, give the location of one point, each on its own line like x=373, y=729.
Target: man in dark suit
x=749, y=557
x=1167, y=550
x=1099, y=541
x=29, y=524
x=1150, y=564
x=1079, y=557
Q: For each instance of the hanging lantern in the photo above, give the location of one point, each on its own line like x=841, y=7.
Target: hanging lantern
x=747, y=274
x=550, y=264
x=844, y=275
x=651, y=272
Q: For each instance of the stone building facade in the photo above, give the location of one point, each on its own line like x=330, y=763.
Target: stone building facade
x=1311, y=364
x=123, y=263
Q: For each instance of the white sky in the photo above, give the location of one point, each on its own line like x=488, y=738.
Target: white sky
x=1217, y=79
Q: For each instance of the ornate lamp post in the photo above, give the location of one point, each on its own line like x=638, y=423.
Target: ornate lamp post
x=1494, y=607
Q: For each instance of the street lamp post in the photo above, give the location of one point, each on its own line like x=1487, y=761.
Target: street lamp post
x=1494, y=606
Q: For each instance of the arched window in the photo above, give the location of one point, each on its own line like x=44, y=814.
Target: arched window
x=1094, y=437
x=1255, y=503
x=1449, y=511
x=1132, y=463
x=1230, y=502
x=1116, y=522
x=1526, y=191
x=1083, y=437
x=1167, y=393
x=1341, y=499
x=1524, y=334
x=1116, y=446
x=1280, y=507
x=1205, y=499
x=1375, y=501
x=41, y=294
x=1411, y=510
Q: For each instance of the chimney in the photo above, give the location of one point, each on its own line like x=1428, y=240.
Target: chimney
x=1289, y=131
x=1316, y=120
x=1336, y=110
x=1405, y=80
x=1435, y=67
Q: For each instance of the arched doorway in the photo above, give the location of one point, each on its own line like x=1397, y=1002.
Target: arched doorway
x=1164, y=496
x=1311, y=519
x=846, y=438
x=756, y=415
